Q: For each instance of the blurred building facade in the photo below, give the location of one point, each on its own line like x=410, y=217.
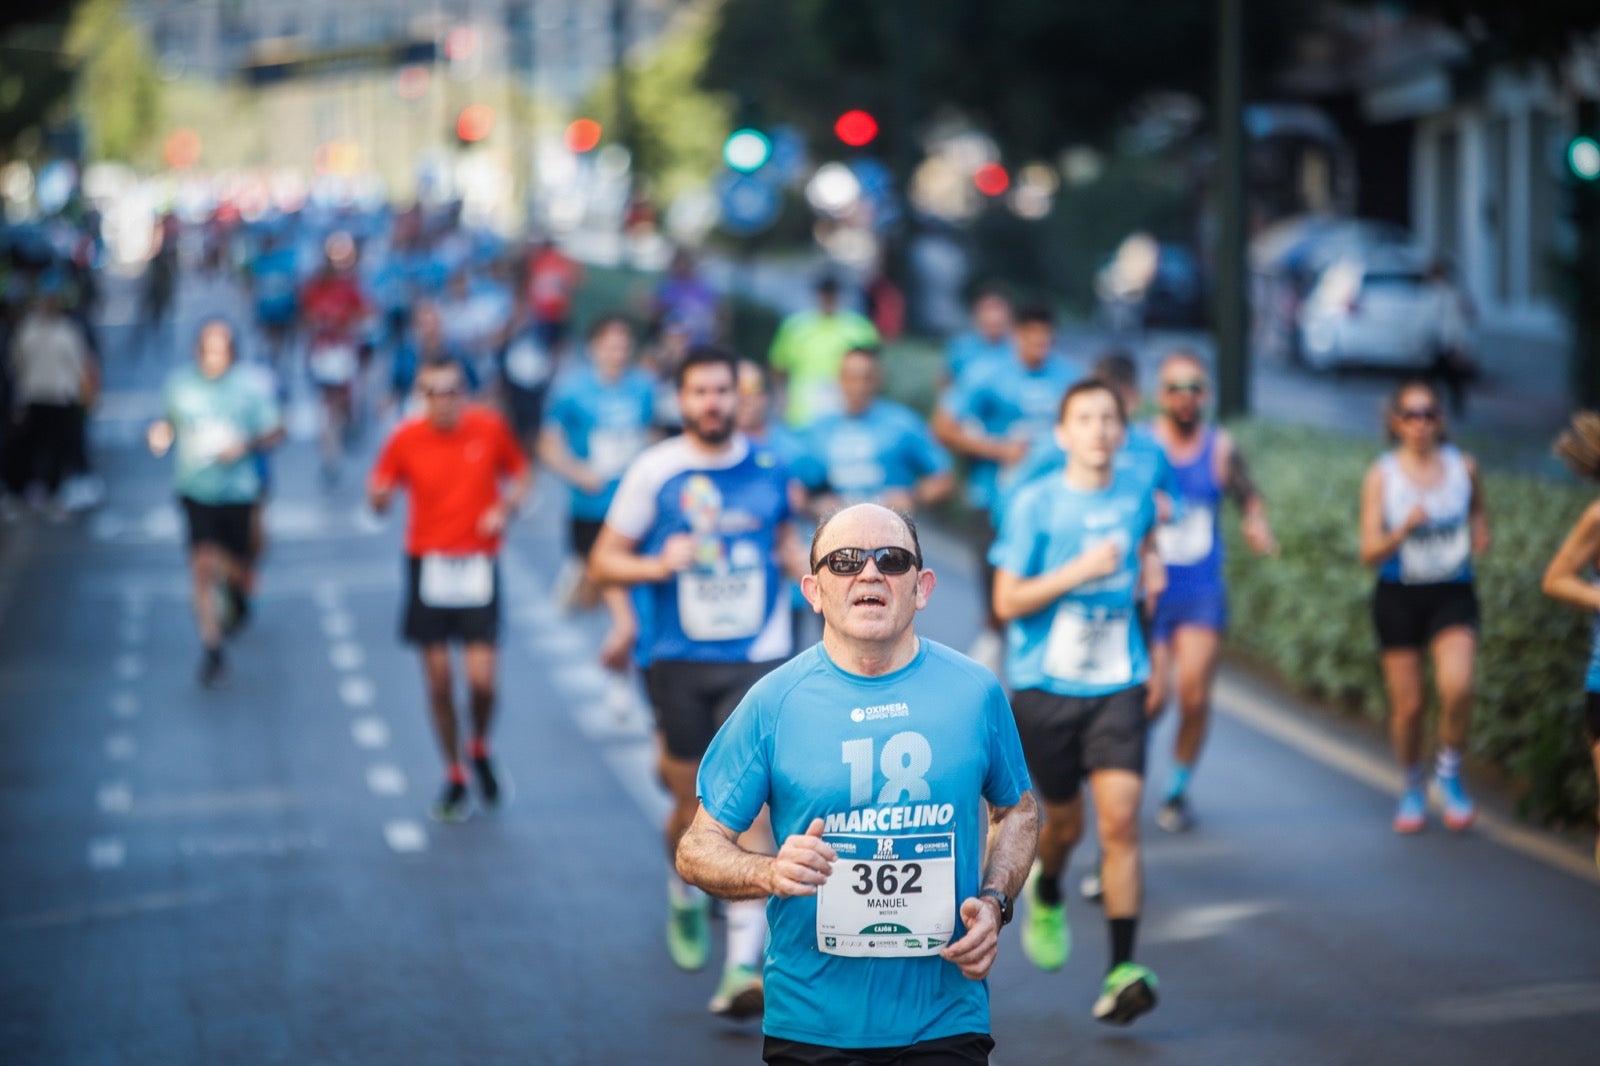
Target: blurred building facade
x=1465, y=152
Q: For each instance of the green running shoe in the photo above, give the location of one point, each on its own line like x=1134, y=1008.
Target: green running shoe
x=688, y=940
x=1129, y=991
x=1046, y=940
x=740, y=996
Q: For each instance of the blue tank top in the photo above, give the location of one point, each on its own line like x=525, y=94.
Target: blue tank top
x=1191, y=544
x=1591, y=683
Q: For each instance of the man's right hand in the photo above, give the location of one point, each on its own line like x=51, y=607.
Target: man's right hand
x=677, y=552
x=159, y=437
x=802, y=863
x=1102, y=560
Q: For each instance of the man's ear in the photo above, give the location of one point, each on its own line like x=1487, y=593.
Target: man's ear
x=812, y=592
x=925, y=583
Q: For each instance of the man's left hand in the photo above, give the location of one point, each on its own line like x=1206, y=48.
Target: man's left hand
x=975, y=953
x=493, y=522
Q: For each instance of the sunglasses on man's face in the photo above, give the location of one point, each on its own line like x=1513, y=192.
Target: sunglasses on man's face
x=1195, y=387
x=847, y=562
x=442, y=393
x=1419, y=414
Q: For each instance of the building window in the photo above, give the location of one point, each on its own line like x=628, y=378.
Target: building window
x=1542, y=206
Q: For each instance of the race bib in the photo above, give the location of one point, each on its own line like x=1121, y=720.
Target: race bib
x=456, y=581
x=526, y=364
x=1089, y=646
x=888, y=897
x=333, y=364
x=611, y=450
x=211, y=437
x=722, y=606
x=1431, y=555
x=1188, y=540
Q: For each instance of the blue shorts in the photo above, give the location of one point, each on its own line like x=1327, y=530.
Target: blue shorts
x=1207, y=610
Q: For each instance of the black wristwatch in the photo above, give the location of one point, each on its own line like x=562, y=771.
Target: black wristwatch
x=1002, y=899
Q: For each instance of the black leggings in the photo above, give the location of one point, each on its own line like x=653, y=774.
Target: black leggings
x=47, y=446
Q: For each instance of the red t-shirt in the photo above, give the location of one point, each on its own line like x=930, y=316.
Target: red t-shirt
x=552, y=278
x=453, y=477
x=333, y=304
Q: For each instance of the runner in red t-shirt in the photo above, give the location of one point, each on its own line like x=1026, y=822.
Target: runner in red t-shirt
x=553, y=279
x=333, y=310
x=453, y=461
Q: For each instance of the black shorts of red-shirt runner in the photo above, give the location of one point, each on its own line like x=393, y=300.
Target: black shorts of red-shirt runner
x=963, y=1050
x=581, y=536
x=424, y=625
x=693, y=699
x=222, y=525
x=1066, y=738
x=1410, y=616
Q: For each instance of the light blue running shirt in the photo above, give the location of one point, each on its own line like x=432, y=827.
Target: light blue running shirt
x=1089, y=643
x=1007, y=400
x=606, y=424
x=1142, y=459
x=972, y=348
x=859, y=457
x=895, y=766
x=210, y=416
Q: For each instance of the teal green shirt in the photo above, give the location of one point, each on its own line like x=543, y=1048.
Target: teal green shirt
x=209, y=416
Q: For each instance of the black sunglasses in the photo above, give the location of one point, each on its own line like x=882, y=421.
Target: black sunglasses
x=850, y=561
x=1418, y=414
x=442, y=393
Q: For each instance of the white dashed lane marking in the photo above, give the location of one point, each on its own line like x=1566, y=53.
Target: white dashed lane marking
x=130, y=666
x=120, y=747
x=386, y=780
x=356, y=692
x=405, y=836
x=346, y=656
x=124, y=705
x=107, y=853
x=370, y=733
x=114, y=797
x=338, y=625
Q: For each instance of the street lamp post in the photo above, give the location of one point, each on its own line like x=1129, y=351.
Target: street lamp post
x=1230, y=309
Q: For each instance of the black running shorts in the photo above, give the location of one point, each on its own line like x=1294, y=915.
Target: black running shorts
x=581, y=535
x=964, y=1050
x=1065, y=738
x=1410, y=616
x=422, y=624
x=224, y=525
x=1591, y=715
x=692, y=700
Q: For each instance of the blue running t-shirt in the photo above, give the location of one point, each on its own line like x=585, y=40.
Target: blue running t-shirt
x=859, y=457
x=606, y=424
x=1007, y=399
x=1089, y=642
x=895, y=766
x=729, y=606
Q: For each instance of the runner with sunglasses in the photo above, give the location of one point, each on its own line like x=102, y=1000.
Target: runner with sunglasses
x=873, y=749
x=1192, y=613
x=1422, y=522
x=452, y=460
x=1067, y=575
x=702, y=522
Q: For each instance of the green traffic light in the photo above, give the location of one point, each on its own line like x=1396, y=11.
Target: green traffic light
x=747, y=150
x=1583, y=157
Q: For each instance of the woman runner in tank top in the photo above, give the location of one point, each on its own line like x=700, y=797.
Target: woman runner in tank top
x=1422, y=522
x=1570, y=575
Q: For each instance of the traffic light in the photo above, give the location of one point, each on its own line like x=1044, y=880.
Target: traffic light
x=991, y=179
x=856, y=128
x=747, y=150
x=474, y=123
x=583, y=135
x=1583, y=158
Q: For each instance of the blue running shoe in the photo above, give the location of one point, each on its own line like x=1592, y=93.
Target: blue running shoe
x=1412, y=812
x=1459, y=810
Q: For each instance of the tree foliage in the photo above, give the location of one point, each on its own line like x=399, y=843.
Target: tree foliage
x=1528, y=30
x=118, y=91
x=677, y=126
x=1037, y=74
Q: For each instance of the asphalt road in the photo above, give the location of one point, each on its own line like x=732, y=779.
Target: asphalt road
x=247, y=875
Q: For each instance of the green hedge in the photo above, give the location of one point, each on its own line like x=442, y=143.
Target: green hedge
x=1306, y=613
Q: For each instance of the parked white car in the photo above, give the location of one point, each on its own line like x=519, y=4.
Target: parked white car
x=1381, y=308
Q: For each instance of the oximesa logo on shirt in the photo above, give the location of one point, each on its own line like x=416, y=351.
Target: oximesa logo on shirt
x=880, y=712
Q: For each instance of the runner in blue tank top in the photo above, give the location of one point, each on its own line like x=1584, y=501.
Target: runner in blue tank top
x=702, y=521
x=1072, y=554
x=873, y=750
x=1422, y=522
x=1192, y=613
x=1570, y=575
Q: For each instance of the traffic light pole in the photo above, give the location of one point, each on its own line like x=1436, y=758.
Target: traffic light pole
x=1230, y=308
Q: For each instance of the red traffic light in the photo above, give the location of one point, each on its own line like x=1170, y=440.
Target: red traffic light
x=475, y=122
x=856, y=128
x=583, y=135
x=991, y=179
